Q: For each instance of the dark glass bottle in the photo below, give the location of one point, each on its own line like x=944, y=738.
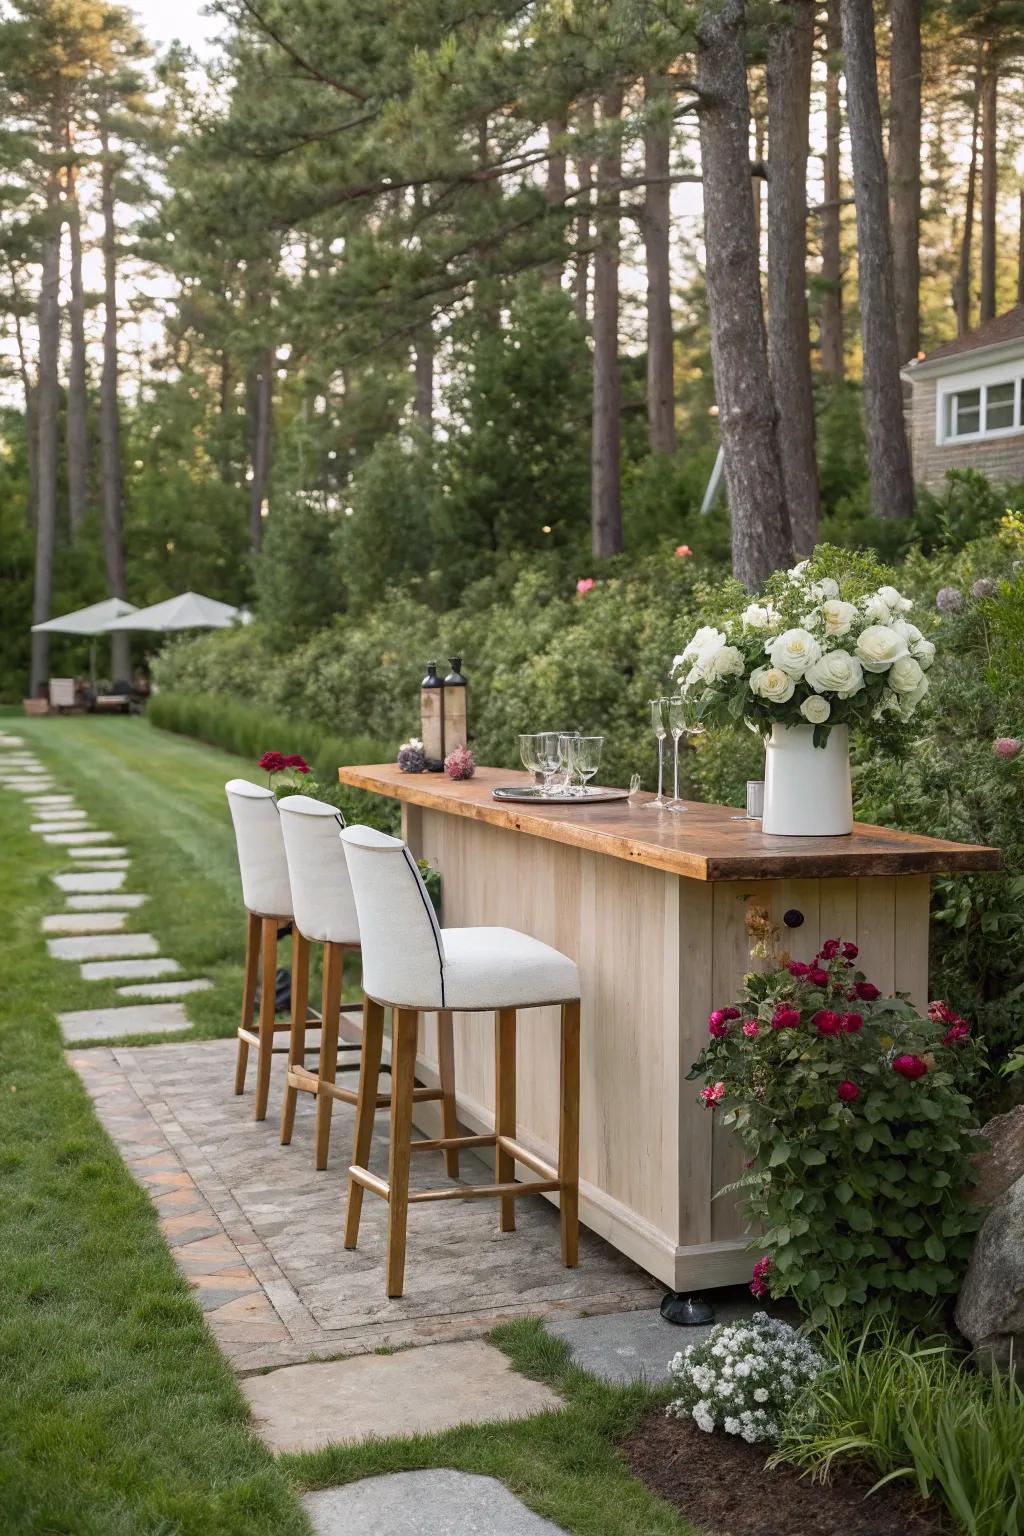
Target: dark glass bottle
x=432, y=718
x=456, y=707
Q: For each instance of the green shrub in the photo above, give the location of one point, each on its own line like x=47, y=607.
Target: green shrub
x=852, y=1111
x=913, y=1409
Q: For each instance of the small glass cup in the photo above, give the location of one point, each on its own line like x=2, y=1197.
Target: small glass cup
x=586, y=758
x=540, y=754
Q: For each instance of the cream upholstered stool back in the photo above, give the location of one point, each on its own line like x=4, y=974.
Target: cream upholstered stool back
x=410, y=962
x=267, y=895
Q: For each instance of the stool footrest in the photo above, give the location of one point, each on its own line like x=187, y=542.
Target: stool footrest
x=526, y=1157
x=484, y=1191
x=444, y=1143
x=371, y=1182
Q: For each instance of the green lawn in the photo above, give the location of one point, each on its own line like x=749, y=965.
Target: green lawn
x=118, y=1415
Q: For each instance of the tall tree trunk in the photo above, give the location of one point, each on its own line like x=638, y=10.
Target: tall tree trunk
x=989, y=179
x=77, y=429
x=423, y=374
x=261, y=396
x=605, y=489
x=110, y=410
x=759, y=116
x=1020, y=247
x=761, y=538
x=47, y=404
x=661, y=412
x=555, y=190
x=790, y=54
x=225, y=419
x=585, y=181
x=905, y=170
x=962, y=282
x=892, y=484
x=29, y=394
x=831, y=318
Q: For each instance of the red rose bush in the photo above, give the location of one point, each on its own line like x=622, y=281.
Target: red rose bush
x=852, y=1113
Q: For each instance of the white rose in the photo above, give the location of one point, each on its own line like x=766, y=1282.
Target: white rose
x=910, y=632
x=894, y=600
x=794, y=651
x=825, y=588
x=757, y=616
x=879, y=646
x=838, y=616
x=726, y=662
x=705, y=643
x=837, y=672
x=910, y=701
x=905, y=675
x=695, y=675
x=796, y=573
x=876, y=610
x=773, y=684
x=815, y=709
x=923, y=651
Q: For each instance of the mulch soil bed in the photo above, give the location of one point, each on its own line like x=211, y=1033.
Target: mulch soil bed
x=719, y=1484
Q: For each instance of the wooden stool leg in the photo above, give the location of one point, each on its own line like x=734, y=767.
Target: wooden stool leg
x=403, y=1075
x=252, y=962
x=505, y=1107
x=268, y=1011
x=297, y=1038
x=334, y=962
x=366, y=1108
x=569, y=1135
x=446, y=1074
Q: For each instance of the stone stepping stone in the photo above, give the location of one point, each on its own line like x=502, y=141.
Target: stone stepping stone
x=417, y=1391
x=90, y=882
x=103, y=852
x=117, y=903
x=128, y=970
x=27, y=786
x=115, y=1023
x=56, y=815
x=166, y=988
x=435, y=1502
x=49, y=829
x=12, y=741
x=629, y=1346
x=53, y=800
x=98, y=946
x=106, y=864
x=77, y=835
x=85, y=922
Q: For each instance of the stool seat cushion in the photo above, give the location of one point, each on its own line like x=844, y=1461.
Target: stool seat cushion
x=487, y=968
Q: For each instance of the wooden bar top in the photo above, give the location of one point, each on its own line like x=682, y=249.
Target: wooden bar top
x=702, y=843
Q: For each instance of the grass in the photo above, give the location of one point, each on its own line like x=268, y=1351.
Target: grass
x=119, y=1417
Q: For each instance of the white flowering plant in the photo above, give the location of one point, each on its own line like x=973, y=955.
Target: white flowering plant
x=827, y=643
x=742, y=1377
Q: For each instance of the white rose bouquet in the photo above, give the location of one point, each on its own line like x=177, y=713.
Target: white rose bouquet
x=827, y=643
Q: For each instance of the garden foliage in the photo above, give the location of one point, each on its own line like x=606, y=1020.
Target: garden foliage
x=858, y=1126
x=742, y=1376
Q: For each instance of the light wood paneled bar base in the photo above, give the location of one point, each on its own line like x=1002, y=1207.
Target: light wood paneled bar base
x=653, y=908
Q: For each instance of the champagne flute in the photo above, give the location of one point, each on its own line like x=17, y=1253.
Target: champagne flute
x=660, y=725
x=677, y=724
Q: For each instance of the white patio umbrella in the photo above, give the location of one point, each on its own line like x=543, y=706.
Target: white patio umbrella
x=189, y=610
x=92, y=621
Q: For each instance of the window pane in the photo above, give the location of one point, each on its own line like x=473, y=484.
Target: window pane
x=967, y=412
x=999, y=407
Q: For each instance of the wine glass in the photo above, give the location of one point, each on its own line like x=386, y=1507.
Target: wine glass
x=586, y=755
x=528, y=754
x=567, y=760
x=677, y=724
x=542, y=750
x=659, y=722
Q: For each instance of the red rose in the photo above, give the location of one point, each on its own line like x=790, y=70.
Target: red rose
x=910, y=1067
x=942, y=1013
x=829, y=949
x=297, y=761
x=710, y=1095
x=717, y=1027
x=759, y=1280
x=957, y=1033
x=866, y=991
x=818, y=976
x=848, y=1091
x=851, y=951
x=828, y=1023
x=852, y=1022
x=272, y=762
x=799, y=968
x=785, y=1017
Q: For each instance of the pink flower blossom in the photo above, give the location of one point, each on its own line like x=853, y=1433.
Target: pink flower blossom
x=759, y=1279
x=848, y=1091
x=957, y=1033
x=751, y=1029
x=682, y=550
x=785, y=1017
x=852, y=1022
x=1006, y=747
x=827, y=1022
x=712, y=1094
x=910, y=1067
x=584, y=585
x=718, y=1022
x=459, y=764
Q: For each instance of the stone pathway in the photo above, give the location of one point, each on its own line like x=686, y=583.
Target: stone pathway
x=438, y=1502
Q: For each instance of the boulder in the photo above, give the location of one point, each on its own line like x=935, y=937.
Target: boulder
x=1002, y=1164
x=990, y=1307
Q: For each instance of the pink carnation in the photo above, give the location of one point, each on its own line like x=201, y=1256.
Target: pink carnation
x=711, y=1094
x=785, y=1017
x=848, y=1091
x=910, y=1067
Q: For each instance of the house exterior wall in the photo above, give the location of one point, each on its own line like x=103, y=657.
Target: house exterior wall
x=1000, y=458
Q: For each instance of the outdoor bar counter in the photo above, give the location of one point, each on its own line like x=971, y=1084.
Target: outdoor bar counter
x=652, y=906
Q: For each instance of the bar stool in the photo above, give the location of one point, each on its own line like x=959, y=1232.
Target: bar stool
x=267, y=895
x=410, y=963
x=325, y=913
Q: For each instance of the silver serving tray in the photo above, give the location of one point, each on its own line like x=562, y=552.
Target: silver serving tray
x=534, y=795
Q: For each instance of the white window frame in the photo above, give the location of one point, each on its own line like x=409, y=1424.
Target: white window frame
x=980, y=379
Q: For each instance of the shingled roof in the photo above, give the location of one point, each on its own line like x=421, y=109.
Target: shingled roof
x=1006, y=327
